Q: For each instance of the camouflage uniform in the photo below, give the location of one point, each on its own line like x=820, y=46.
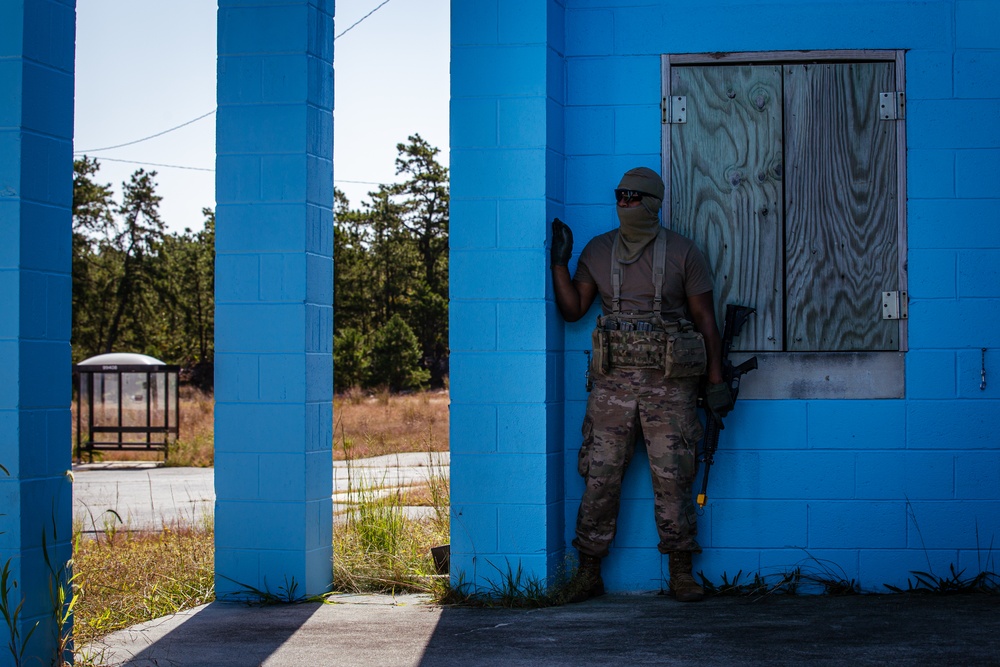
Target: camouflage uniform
x=623, y=405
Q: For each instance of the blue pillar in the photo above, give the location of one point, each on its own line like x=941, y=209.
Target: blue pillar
x=506, y=336
x=274, y=295
x=36, y=191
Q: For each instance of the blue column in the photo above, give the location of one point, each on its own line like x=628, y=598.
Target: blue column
x=274, y=295
x=36, y=190
x=506, y=336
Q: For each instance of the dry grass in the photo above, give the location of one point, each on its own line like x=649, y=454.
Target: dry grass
x=366, y=425
x=127, y=578
x=373, y=425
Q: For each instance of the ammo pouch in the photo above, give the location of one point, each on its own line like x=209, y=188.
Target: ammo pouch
x=632, y=341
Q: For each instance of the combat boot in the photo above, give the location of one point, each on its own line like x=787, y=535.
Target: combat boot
x=682, y=584
x=587, y=582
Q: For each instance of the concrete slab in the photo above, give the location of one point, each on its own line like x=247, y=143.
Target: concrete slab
x=613, y=630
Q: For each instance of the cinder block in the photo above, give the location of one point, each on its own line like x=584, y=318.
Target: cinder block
x=975, y=24
x=636, y=524
x=47, y=102
x=10, y=311
x=284, y=177
x=975, y=72
x=929, y=76
x=936, y=424
x=522, y=122
x=513, y=377
x=473, y=528
x=277, y=525
x=905, y=474
x=240, y=79
x=637, y=130
x=930, y=174
x=590, y=130
x=261, y=129
x=856, y=424
x=616, y=80
x=523, y=427
x=9, y=374
x=511, y=173
x=483, y=71
x=720, y=566
x=978, y=276
x=472, y=325
x=952, y=124
x=976, y=475
x=241, y=566
x=955, y=524
x=49, y=30
x=237, y=379
x=896, y=567
x=589, y=32
x=284, y=477
x=475, y=22
x=283, y=277
x=319, y=328
x=960, y=217
x=260, y=327
x=47, y=165
x=820, y=569
x=630, y=570
x=869, y=525
x=498, y=478
x=237, y=277
x=926, y=318
x=523, y=223
x=522, y=529
x=237, y=180
x=270, y=29
x=521, y=325
x=930, y=374
x=248, y=427
x=319, y=375
x=525, y=274
x=973, y=171
x=933, y=274
x=238, y=474
x=522, y=22
x=45, y=369
x=283, y=377
x=766, y=425
x=971, y=364
x=759, y=524
x=474, y=122
x=473, y=428
x=319, y=426
x=473, y=224
x=46, y=239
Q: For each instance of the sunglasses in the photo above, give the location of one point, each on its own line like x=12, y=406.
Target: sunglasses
x=629, y=196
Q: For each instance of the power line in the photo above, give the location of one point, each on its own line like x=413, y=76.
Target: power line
x=385, y=2
x=152, y=136
x=154, y=164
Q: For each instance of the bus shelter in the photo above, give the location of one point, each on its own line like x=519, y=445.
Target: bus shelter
x=126, y=402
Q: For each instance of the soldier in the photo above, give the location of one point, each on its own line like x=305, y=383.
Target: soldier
x=655, y=344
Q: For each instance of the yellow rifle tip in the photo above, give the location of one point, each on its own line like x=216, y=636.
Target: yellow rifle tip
x=701, y=500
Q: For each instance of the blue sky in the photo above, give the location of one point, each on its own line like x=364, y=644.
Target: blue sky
x=144, y=66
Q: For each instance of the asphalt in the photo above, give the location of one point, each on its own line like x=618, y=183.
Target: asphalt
x=647, y=629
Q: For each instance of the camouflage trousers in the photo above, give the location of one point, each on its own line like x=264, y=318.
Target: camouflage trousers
x=623, y=406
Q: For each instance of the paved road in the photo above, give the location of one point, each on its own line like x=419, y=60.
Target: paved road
x=143, y=496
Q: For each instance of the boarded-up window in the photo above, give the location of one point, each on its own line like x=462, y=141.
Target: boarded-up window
x=786, y=174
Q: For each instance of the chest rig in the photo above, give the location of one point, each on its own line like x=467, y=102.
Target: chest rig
x=644, y=340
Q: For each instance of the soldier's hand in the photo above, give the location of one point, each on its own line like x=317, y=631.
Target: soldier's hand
x=719, y=398
x=562, y=243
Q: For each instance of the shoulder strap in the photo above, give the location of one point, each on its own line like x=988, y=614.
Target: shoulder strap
x=659, y=265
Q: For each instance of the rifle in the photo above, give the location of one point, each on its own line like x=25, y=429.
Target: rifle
x=736, y=317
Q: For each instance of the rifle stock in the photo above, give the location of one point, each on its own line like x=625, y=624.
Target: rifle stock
x=736, y=317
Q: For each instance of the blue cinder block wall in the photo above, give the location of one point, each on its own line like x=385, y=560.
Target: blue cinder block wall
x=36, y=191
x=551, y=102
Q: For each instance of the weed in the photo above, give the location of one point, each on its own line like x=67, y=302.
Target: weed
x=12, y=615
x=956, y=583
x=756, y=588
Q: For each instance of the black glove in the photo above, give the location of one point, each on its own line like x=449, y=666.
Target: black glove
x=562, y=243
x=719, y=399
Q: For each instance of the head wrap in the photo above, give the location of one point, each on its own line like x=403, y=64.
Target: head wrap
x=639, y=225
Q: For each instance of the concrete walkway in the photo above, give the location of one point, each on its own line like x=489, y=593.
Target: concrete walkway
x=145, y=496
x=385, y=631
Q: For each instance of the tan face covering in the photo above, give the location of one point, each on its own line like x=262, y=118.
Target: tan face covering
x=638, y=226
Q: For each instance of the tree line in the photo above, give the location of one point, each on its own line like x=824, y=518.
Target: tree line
x=139, y=288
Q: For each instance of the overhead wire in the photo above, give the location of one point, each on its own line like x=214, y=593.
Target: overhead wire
x=206, y=115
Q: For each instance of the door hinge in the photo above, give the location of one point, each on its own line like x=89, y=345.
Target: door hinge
x=892, y=106
x=674, y=109
x=894, y=306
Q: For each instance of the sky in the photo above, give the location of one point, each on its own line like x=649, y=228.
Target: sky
x=145, y=66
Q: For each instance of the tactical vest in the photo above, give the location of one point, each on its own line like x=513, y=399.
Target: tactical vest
x=633, y=340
